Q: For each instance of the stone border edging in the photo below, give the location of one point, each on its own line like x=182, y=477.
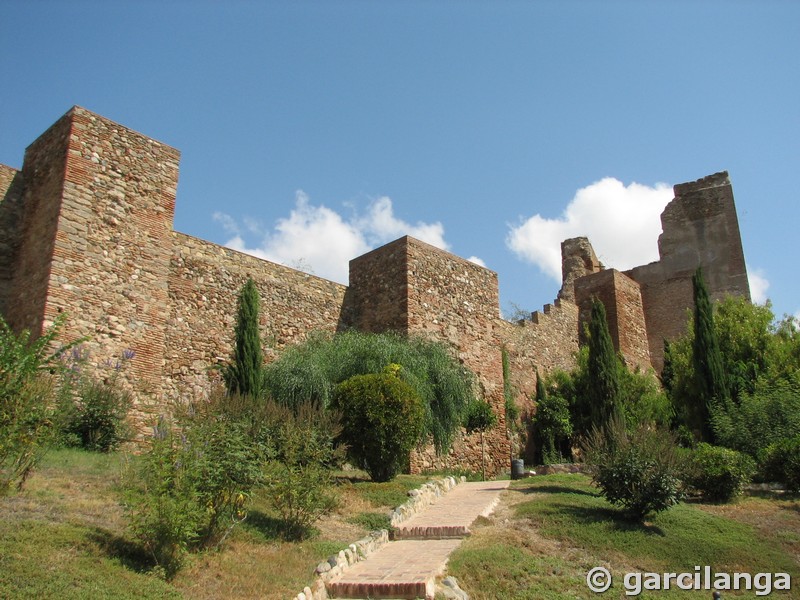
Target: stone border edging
x=337, y=564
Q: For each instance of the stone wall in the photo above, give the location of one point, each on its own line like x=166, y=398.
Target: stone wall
x=11, y=189
x=546, y=342
x=86, y=229
x=414, y=288
x=700, y=228
x=622, y=300
x=204, y=283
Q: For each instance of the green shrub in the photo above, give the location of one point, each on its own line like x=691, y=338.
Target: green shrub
x=382, y=420
x=192, y=487
x=638, y=471
x=771, y=412
x=781, y=462
x=298, y=479
x=719, y=474
x=26, y=402
x=310, y=372
x=93, y=406
x=552, y=424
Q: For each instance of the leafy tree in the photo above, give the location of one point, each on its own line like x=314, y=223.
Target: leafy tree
x=480, y=418
x=382, y=420
x=552, y=422
x=602, y=368
x=310, y=372
x=710, y=380
x=768, y=414
x=244, y=374
x=746, y=342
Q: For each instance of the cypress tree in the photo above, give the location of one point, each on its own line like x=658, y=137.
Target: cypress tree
x=244, y=374
x=602, y=369
x=710, y=380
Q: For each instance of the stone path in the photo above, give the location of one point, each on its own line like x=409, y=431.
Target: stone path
x=408, y=567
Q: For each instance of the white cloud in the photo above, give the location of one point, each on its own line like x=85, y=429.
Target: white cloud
x=759, y=285
x=477, y=261
x=319, y=240
x=622, y=223
x=380, y=225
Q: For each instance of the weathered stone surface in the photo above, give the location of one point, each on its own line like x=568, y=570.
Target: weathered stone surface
x=577, y=260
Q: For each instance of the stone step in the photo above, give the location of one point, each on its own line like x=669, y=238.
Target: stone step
x=402, y=569
x=408, y=567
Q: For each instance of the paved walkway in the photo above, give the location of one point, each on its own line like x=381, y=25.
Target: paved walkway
x=408, y=567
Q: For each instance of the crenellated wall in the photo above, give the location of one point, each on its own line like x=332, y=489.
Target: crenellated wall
x=86, y=229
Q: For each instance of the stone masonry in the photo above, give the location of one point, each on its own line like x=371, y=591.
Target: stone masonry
x=86, y=230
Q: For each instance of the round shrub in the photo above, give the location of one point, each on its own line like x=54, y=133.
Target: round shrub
x=382, y=420
x=718, y=474
x=782, y=462
x=637, y=471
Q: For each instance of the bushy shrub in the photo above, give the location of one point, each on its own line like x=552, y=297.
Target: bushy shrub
x=638, y=471
x=382, y=420
x=298, y=478
x=781, y=462
x=771, y=412
x=26, y=402
x=192, y=486
x=310, y=372
x=718, y=474
x=93, y=406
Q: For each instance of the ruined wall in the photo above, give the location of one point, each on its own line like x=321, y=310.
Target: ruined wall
x=622, y=300
x=700, y=228
x=577, y=260
x=204, y=284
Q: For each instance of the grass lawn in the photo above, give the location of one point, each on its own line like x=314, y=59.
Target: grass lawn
x=64, y=536
x=552, y=530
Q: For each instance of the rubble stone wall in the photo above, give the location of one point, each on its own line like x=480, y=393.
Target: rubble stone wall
x=204, y=284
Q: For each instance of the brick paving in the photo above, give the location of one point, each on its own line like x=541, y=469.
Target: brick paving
x=408, y=567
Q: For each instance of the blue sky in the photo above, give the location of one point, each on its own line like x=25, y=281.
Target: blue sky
x=311, y=132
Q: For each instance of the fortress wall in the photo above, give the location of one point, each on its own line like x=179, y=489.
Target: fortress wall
x=379, y=288
x=546, y=342
x=457, y=301
x=98, y=202
x=86, y=229
x=622, y=299
x=11, y=188
x=700, y=228
x=43, y=173
x=204, y=284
